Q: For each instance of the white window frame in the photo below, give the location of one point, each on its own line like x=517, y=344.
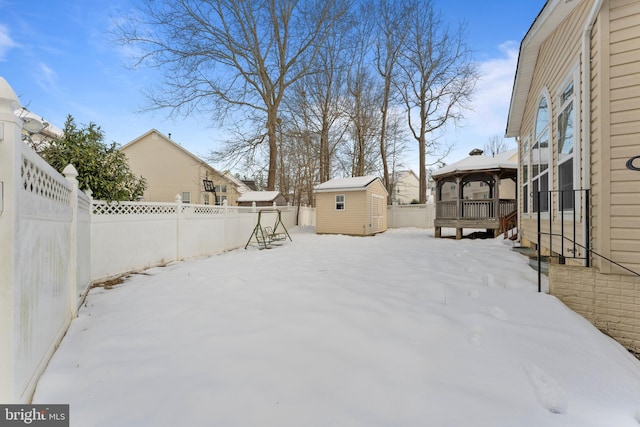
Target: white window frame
x=527, y=200
x=340, y=203
x=186, y=197
x=537, y=133
x=574, y=99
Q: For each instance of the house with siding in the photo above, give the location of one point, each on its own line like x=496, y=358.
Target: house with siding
x=405, y=188
x=172, y=170
x=355, y=206
x=575, y=112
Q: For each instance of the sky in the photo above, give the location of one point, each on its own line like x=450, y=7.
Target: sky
x=60, y=59
x=400, y=329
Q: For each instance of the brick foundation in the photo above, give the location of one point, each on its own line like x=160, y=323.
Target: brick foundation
x=610, y=301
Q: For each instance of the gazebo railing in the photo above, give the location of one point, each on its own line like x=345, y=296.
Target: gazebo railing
x=473, y=209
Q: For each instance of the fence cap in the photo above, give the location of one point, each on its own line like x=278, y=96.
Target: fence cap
x=8, y=99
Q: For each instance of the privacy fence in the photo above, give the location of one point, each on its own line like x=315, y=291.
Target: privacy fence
x=57, y=241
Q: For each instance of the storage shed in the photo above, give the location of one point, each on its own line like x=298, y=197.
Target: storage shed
x=262, y=198
x=355, y=206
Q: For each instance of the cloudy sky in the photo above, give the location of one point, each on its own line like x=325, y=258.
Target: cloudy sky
x=60, y=60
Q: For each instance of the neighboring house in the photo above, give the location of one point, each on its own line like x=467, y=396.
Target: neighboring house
x=477, y=192
x=406, y=188
x=574, y=110
x=262, y=198
x=171, y=170
x=355, y=206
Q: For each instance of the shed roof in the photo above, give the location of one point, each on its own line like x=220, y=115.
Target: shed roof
x=480, y=162
x=346, y=184
x=259, y=196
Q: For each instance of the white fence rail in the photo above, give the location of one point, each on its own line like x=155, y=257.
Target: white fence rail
x=157, y=233
x=398, y=216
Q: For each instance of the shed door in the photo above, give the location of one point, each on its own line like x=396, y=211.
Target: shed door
x=377, y=213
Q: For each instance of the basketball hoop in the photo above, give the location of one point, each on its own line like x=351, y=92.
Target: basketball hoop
x=210, y=188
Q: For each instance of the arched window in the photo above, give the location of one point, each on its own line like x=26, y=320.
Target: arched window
x=540, y=157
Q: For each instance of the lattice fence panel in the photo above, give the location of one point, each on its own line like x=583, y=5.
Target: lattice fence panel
x=39, y=182
x=132, y=208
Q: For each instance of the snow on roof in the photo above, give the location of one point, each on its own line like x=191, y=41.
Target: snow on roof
x=345, y=184
x=480, y=162
x=258, y=196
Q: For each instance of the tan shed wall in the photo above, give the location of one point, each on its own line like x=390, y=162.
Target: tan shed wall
x=355, y=219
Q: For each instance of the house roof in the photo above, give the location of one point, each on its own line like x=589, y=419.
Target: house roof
x=241, y=186
x=346, y=184
x=168, y=140
x=259, y=196
x=480, y=162
x=549, y=18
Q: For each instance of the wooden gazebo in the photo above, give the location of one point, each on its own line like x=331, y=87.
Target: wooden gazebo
x=468, y=193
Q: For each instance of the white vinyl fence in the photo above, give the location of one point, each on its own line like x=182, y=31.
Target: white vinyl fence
x=57, y=241
x=132, y=236
x=398, y=216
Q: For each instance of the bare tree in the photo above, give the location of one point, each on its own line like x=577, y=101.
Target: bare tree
x=437, y=81
x=221, y=56
x=390, y=17
x=495, y=145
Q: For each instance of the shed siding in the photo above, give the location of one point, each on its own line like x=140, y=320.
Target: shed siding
x=624, y=81
x=355, y=219
x=352, y=220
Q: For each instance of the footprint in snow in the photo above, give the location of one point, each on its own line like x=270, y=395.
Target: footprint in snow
x=475, y=336
x=549, y=392
x=498, y=313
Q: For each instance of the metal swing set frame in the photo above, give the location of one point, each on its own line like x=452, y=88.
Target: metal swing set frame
x=265, y=236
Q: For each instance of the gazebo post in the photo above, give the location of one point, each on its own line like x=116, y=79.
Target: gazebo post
x=496, y=201
x=459, y=213
x=438, y=229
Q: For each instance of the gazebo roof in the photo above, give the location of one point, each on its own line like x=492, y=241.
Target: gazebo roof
x=479, y=163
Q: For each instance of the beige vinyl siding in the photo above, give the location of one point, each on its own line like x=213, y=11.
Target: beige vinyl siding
x=171, y=170
x=600, y=150
x=354, y=219
x=624, y=51
x=558, y=56
x=167, y=169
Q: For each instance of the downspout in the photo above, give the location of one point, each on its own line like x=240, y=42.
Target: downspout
x=586, y=116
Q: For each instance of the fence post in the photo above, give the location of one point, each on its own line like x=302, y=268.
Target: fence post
x=10, y=138
x=225, y=217
x=178, y=220
x=71, y=174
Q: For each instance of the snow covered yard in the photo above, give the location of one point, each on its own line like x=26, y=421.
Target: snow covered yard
x=399, y=329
